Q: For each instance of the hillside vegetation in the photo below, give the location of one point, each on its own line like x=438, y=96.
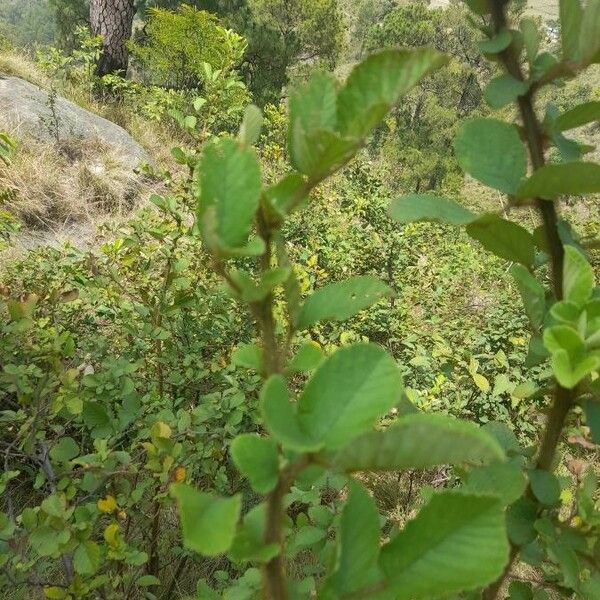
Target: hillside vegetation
x=334, y=332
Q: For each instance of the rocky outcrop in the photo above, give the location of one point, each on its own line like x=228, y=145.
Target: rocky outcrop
x=25, y=112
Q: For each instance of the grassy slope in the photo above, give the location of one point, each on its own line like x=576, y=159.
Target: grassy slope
x=59, y=190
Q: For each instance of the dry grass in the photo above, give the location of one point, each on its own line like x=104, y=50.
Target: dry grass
x=49, y=187
x=156, y=138
x=63, y=192
x=18, y=64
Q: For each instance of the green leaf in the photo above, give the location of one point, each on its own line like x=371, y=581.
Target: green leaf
x=503, y=90
x=246, y=587
x=96, y=418
x=542, y=66
x=308, y=357
x=208, y=522
x=342, y=300
x=456, y=543
x=64, y=450
x=427, y=207
x=257, y=460
x=568, y=562
x=378, y=83
x=531, y=38
x=358, y=545
x=249, y=540
x=592, y=417
x=55, y=505
x=181, y=157
x=86, y=558
x=315, y=147
x=348, y=393
x=544, y=486
x=589, y=37
x=532, y=293
x=401, y=446
x=520, y=590
x=571, y=15
x=7, y=527
x=503, y=238
x=190, y=122
x=570, y=362
x=504, y=480
x=199, y=103
x=285, y=195
x=524, y=390
x=569, y=178
x=255, y=292
x=321, y=152
x=147, y=581
x=230, y=186
x=589, y=588
x=7, y=148
x=565, y=312
x=254, y=247
x=578, y=277
x=502, y=384
x=251, y=125
x=249, y=356
x=501, y=41
x=305, y=537
x=281, y=418
x=504, y=436
x=44, y=540
x=491, y=151
x=582, y=114
x=314, y=105
x=563, y=337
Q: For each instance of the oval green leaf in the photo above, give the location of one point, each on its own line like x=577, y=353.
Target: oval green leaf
x=348, y=393
x=491, y=151
x=401, y=446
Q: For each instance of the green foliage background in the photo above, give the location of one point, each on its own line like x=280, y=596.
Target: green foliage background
x=128, y=370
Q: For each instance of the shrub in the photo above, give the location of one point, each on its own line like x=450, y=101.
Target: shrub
x=176, y=45
x=121, y=402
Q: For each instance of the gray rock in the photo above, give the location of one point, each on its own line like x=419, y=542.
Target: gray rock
x=24, y=111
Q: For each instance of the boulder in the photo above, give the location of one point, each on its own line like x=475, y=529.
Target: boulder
x=25, y=112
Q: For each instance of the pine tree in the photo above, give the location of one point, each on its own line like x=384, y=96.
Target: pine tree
x=113, y=20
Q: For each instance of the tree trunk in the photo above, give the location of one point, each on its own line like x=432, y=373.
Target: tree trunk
x=113, y=20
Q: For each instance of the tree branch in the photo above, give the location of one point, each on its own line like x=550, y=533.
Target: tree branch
x=562, y=397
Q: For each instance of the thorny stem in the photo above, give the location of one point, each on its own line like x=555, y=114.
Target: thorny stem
x=562, y=397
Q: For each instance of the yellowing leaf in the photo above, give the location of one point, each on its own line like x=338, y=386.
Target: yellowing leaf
x=55, y=593
x=180, y=474
x=111, y=534
x=107, y=505
x=161, y=430
x=566, y=497
x=481, y=382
